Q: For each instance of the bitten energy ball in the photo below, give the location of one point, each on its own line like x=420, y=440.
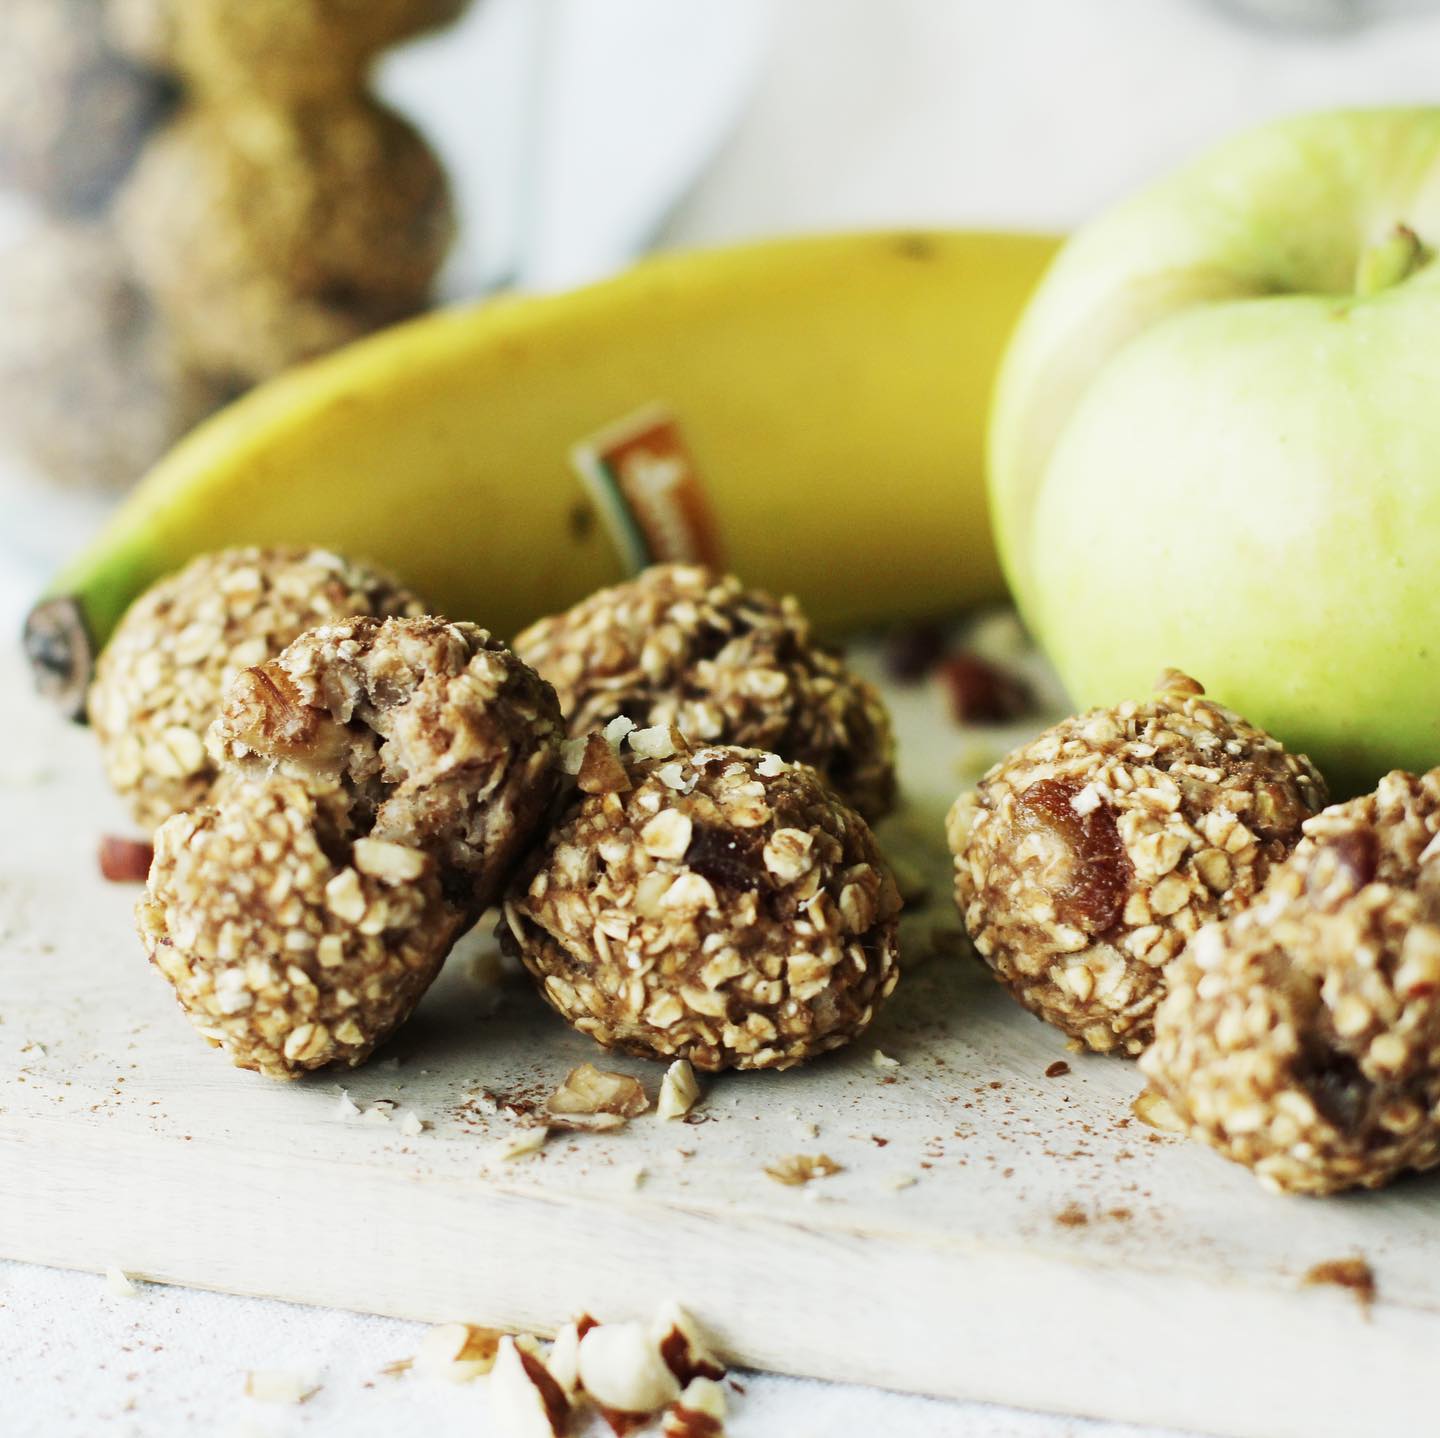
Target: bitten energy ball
x=282, y=48
x=267, y=236
x=721, y=906
x=683, y=646
x=444, y=740
x=1302, y=1036
x=1086, y=859
x=289, y=941
x=73, y=113
x=159, y=681
x=93, y=385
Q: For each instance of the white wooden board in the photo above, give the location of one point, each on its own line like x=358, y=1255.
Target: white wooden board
x=1052, y=1252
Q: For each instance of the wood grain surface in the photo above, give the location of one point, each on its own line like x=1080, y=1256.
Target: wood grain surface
x=993, y=1232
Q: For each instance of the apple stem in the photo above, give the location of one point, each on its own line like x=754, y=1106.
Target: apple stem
x=1389, y=261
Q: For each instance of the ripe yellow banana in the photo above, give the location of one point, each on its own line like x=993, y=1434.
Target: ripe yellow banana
x=830, y=395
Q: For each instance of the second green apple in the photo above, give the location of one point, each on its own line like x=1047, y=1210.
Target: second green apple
x=1216, y=441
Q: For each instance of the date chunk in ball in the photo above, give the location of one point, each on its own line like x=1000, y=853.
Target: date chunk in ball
x=1087, y=859
x=443, y=739
x=1302, y=1036
x=721, y=906
x=686, y=647
x=159, y=681
x=289, y=943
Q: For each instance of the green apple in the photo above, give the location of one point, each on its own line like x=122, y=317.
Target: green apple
x=1216, y=441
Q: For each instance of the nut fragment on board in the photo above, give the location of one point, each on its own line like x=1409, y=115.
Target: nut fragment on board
x=1353, y=1274
x=275, y=1385
x=523, y=1143
x=1088, y=858
x=800, y=1168
x=683, y=646
x=679, y=1090
x=589, y=1090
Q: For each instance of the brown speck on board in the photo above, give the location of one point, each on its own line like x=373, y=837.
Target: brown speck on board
x=1352, y=1273
x=1058, y=1069
x=1072, y=1216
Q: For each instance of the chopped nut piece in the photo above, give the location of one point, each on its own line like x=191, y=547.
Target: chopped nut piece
x=564, y=1359
x=347, y=1107
x=522, y=1143
x=277, y=1386
x=685, y=648
x=118, y=1282
x=588, y=1090
x=525, y=1401
x=1157, y=1112
x=800, y=1168
x=412, y=1125
x=1086, y=860
x=679, y=1090
x=160, y=680
x=1352, y=1273
x=1301, y=1037
x=709, y=955
x=699, y=1412
x=621, y=1369
x=1058, y=1070
x=682, y=1347
x=882, y=1060
x=601, y=771
x=458, y=1352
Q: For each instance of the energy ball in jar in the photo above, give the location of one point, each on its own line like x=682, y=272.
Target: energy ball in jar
x=282, y=49
x=73, y=112
x=267, y=236
x=94, y=386
x=159, y=681
x=681, y=645
x=445, y=742
x=718, y=905
x=1301, y=1037
x=1087, y=859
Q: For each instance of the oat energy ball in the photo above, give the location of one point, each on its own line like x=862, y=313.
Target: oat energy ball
x=290, y=942
x=721, y=906
x=73, y=113
x=279, y=48
x=1302, y=1036
x=94, y=387
x=1087, y=859
x=683, y=646
x=444, y=741
x=159, y=681
x=267, y=236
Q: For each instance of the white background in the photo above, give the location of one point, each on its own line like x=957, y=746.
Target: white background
x=577, y=129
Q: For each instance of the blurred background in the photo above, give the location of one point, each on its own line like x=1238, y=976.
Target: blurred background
x=196, y=195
